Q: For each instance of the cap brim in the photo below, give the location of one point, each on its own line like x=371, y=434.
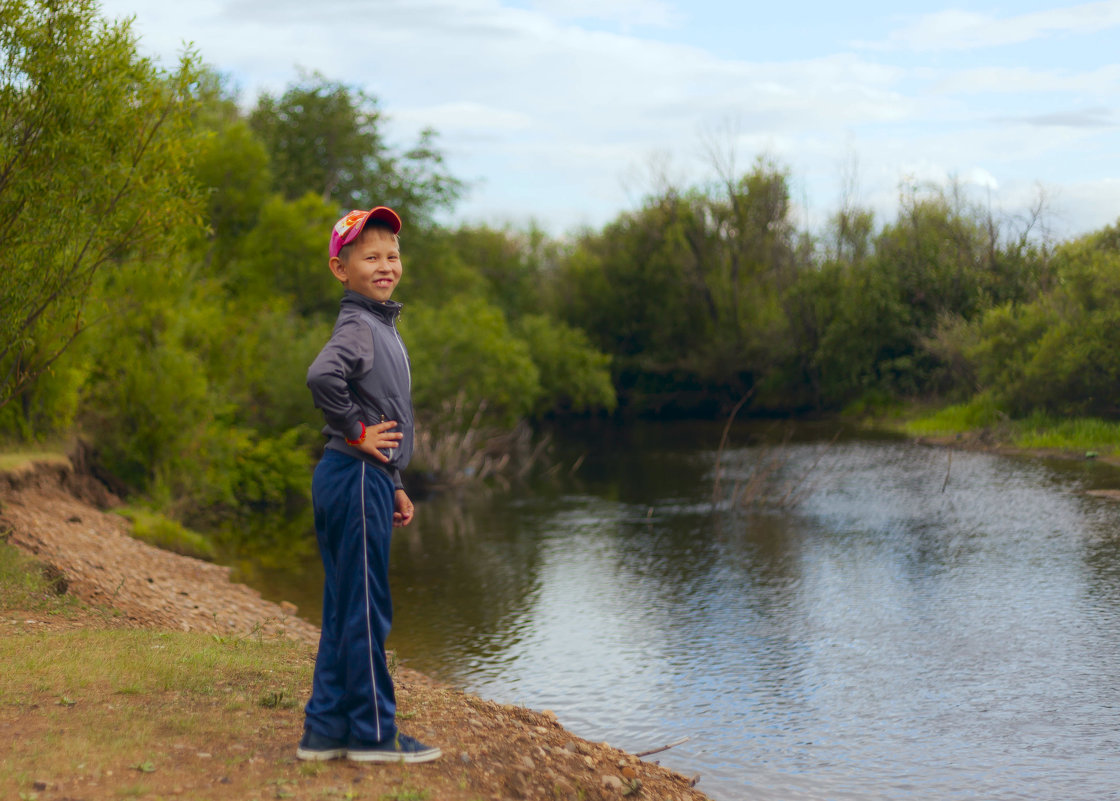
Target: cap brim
x=385, y=215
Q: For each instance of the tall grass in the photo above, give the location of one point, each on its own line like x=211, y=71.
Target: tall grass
x=1037, y=431
x=1081, y=434
x=26, y=584
x=980, y=412
x=161, y=531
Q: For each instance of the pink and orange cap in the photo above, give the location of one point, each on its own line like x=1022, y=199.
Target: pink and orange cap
x=347, y=229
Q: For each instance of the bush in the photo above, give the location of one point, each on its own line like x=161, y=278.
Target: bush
x=163, y=532
x=467, y=346
x=574, y=376
x=1058, y=354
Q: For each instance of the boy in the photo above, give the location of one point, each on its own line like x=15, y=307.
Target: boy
x=362, y=384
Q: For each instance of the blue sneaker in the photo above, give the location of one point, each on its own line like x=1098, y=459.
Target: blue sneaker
x=401, y=748
x=314, y=746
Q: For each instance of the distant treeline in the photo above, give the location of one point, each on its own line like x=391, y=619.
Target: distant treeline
x=164, y=284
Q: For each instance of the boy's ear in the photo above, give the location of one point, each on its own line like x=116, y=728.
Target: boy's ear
x=338, y=269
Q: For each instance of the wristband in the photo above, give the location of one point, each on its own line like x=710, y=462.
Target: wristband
x=360, y=439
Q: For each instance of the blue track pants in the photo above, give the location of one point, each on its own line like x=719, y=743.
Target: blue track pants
x=352, y=694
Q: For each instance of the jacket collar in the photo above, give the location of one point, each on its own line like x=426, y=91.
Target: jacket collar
x=387, y=310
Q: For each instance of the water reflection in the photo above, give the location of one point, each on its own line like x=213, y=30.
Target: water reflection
x=893, y=635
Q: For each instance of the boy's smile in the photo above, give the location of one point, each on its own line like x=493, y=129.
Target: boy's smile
x=372, y=266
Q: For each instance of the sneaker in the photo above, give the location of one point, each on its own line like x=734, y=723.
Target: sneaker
x=315, y=746
x=401, y=748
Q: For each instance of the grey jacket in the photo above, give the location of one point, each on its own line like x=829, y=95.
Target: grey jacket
x=362, y=375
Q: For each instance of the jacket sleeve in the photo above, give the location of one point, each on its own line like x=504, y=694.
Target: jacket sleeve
x=348, y=355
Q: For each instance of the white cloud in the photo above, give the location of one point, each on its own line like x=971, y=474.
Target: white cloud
x=1096, y=117
x=1101, y=82
x=624, y=12
x=963, y=30
x=980, y=177
x=462, y=117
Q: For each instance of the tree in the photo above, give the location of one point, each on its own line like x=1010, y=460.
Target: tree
x=94, y=166
x=467, y=346
x=684, y=292
x=285, y=254
x=325, y=137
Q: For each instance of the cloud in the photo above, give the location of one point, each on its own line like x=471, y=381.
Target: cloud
x=626, y=13
x=1088, y=118
x=1103, y=82
x=980, y=177
x=439, y=56
x=543, y=108
x=963, y=30
x=459, y=117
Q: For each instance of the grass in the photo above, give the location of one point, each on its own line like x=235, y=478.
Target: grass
x=1039, y=431
x=145, y=711
x=26, y=584
x=18, y=460
x=1091, y=435
x=95, y=702
x=958, y=418
x=163, y=532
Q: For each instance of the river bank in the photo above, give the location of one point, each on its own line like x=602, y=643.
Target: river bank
x=161, y=678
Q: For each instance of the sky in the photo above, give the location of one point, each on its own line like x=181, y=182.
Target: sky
x=569, y=112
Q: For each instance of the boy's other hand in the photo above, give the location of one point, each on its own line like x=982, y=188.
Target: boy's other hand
x=379, y=436
x=404, y=509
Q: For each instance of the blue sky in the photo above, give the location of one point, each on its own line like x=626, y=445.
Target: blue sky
x=570, y=111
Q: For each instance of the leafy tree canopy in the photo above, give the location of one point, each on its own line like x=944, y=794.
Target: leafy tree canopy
x=325, y=137
x=93, y=166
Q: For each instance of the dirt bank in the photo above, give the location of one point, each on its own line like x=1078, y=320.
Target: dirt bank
x=492, y=751
x=986, y=440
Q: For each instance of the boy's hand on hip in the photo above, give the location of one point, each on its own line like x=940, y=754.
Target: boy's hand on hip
x=404, y=509
x=379, y=437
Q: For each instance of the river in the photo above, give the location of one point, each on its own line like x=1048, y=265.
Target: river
x=867, y=619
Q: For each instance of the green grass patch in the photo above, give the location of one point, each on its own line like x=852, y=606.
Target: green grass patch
x=1039, y=431
x=18, y=461
x=163, y=532
x=960, y=418
x=27, y=584
x=1091, y=435
x=109, y=698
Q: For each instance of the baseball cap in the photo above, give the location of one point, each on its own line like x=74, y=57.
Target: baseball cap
x=347, y=229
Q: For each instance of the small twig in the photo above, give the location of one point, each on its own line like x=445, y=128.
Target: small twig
x=673, y=744
x=723, y=443
x=947, y=470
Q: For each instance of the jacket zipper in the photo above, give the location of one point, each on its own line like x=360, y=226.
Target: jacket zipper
x=404, y=355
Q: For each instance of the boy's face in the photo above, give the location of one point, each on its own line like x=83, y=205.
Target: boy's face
x=372, y=266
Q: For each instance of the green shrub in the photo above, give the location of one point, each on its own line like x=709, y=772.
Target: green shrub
x=574, y=375
x=156, y=529
x=467, y=346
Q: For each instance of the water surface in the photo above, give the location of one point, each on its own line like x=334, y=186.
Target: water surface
x=882, y=621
